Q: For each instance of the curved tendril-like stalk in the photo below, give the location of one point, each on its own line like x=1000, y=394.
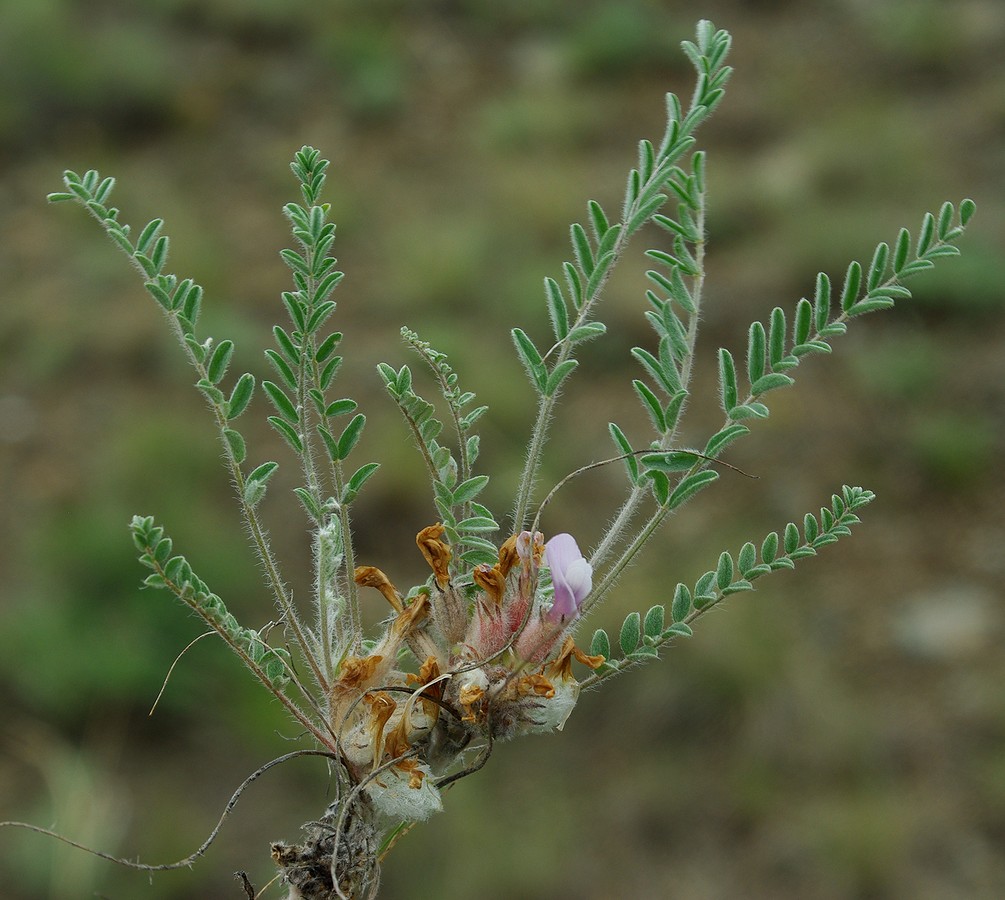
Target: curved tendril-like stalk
x=192, y=857
x=171, y=668
x=620, y=458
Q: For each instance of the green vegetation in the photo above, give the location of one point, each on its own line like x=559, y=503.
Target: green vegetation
x=786, y=695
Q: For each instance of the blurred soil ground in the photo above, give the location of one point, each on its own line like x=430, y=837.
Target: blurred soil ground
x=838, y=734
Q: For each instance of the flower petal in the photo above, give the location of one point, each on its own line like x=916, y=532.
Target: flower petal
x=571, y=575
x=579, y=577
x=560, y=551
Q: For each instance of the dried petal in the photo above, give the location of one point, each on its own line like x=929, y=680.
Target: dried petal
x=436, y=552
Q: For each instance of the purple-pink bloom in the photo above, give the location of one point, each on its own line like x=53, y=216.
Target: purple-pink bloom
x=571, y=576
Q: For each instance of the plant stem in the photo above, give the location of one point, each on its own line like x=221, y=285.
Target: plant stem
x=639, y=492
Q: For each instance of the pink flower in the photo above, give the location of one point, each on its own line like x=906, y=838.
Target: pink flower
x=571, y=576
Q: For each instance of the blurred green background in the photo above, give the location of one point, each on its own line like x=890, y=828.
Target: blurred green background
x=838, y=734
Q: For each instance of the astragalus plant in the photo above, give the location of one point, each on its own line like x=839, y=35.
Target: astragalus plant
x=492, y=645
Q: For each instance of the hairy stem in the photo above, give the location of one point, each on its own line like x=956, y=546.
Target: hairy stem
x=640, y=492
